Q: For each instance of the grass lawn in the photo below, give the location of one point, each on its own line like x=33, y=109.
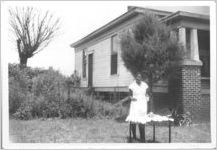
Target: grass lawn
x=97, y=131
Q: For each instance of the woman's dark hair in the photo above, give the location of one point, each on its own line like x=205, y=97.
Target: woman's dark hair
x=138, y=73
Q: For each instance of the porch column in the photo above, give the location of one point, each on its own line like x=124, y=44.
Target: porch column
x=185, y=87
x=182, y=37
x=194, y=51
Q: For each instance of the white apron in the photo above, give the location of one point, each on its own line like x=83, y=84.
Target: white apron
x=138, y=108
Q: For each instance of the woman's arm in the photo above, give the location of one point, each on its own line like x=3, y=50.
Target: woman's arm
x=131, y=95
x=147, y=94
x=130, y=92
x=125, y=99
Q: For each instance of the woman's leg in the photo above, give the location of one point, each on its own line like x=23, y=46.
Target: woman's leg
x=133, y=128
x=141, y=131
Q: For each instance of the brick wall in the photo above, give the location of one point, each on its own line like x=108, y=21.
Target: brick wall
x=191, y=90
x=186, y=93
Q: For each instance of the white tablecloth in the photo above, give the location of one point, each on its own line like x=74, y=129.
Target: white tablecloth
x=154, y=117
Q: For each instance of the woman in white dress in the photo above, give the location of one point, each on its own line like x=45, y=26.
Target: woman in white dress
x=138, y=106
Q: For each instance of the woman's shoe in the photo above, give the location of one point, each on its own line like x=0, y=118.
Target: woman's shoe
x=142, y=140
x=135, y=140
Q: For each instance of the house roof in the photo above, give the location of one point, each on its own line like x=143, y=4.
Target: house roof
x=133, y=11
x=183, y=14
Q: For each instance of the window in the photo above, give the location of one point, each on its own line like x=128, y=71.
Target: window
x=188, y=42
x=114, y=55
x=84, y=64
x=114, y=65
x=205, y=69
x=204, y=51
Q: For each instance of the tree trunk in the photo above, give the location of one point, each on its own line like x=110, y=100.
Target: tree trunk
x=23, y=58
x=23, y=61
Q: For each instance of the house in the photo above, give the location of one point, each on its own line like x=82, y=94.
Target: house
x=98, y=58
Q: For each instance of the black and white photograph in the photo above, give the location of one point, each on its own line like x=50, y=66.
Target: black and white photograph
x=108, y=74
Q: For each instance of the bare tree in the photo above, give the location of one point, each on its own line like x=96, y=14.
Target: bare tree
x=33, y=31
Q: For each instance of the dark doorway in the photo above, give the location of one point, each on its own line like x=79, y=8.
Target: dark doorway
x=90, y=70
x=204, y=50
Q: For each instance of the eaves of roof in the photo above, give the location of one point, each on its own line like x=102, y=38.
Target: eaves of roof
x=105, y=27
x=182, y=14
x=139, y=10
x=130, y=13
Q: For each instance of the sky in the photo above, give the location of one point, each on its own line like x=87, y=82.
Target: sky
x=78, y=18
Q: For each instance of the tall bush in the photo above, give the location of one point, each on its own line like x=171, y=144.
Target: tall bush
x=150, y=49
x=50, y=87
x=36, y=93
x=18, y=87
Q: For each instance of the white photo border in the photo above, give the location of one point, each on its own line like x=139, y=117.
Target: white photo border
x=5, y=113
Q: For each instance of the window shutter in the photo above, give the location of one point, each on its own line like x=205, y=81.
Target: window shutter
x=114, y=54
x=114, y=62
x=84, y=63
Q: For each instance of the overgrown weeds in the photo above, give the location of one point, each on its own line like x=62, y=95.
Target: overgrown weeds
x=37, y=93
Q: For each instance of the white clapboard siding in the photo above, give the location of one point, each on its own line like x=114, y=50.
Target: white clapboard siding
x=78, y=67
x=101, y=49
x=101, y=67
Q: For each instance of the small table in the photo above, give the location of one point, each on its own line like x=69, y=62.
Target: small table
x=153, y=118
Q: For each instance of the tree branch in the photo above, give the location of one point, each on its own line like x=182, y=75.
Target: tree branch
x=33, y=30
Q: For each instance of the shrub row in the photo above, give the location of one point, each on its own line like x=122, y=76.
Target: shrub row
x=35, y=93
